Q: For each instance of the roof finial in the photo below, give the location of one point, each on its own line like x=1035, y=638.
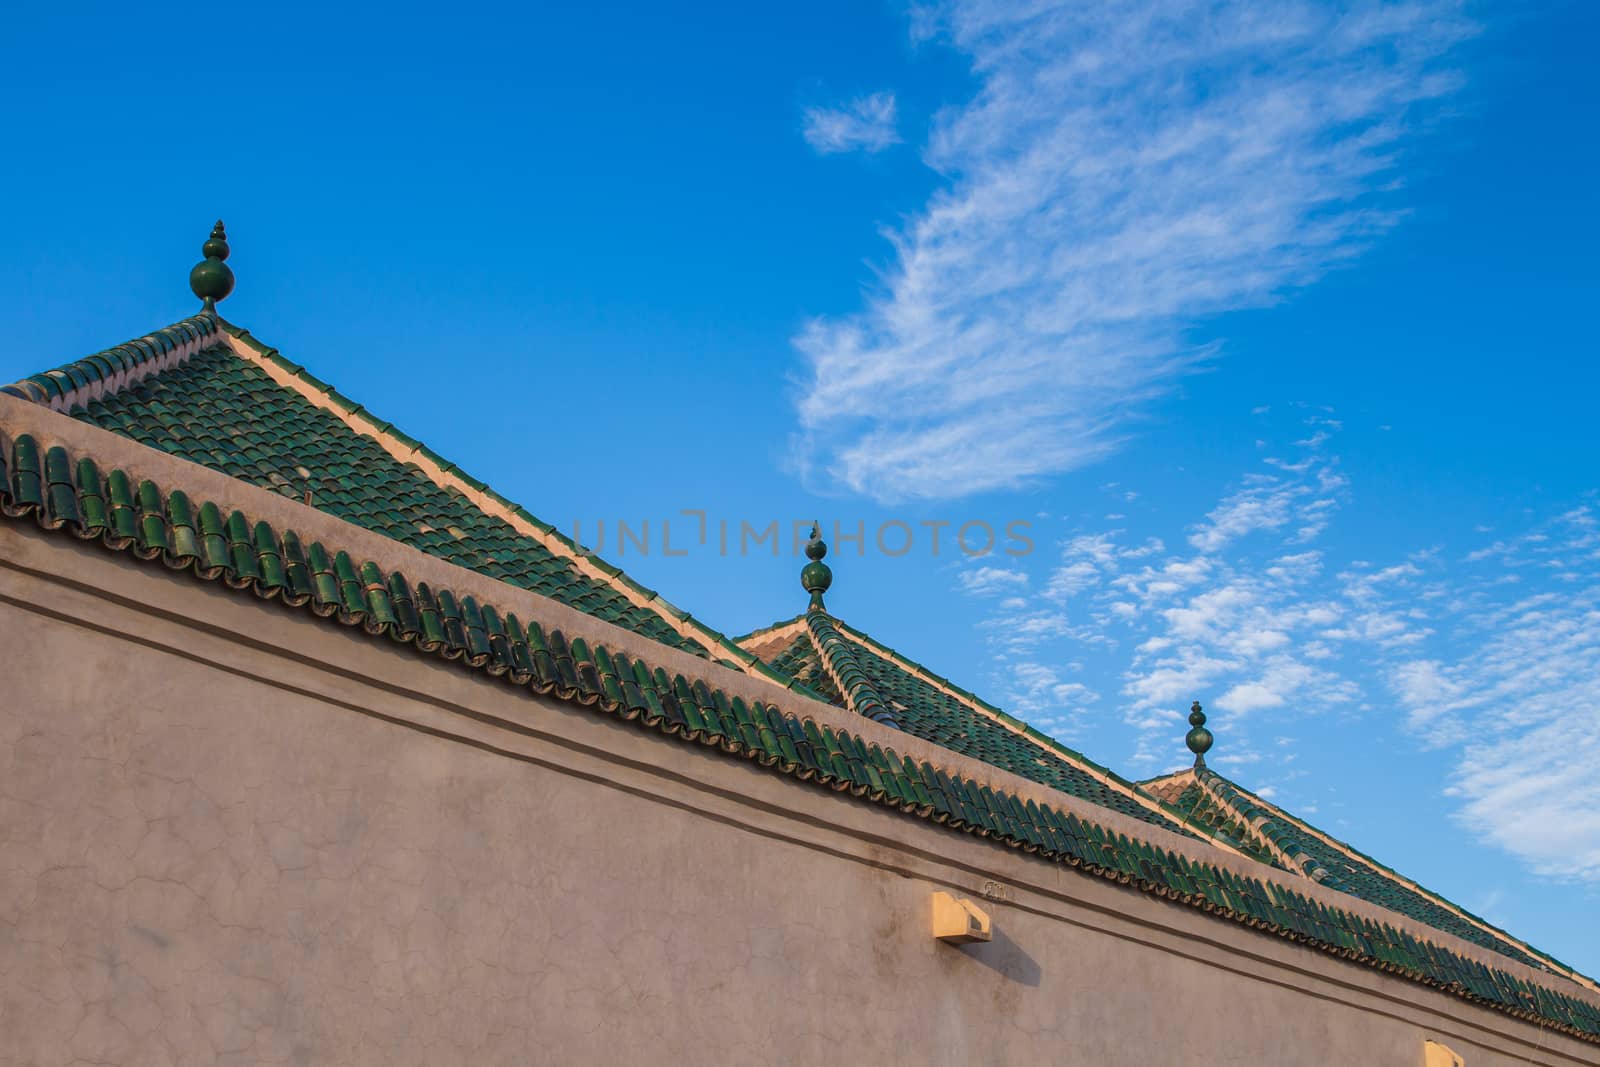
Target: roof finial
x=1199, y=739
x=212, y=279
x=816, y=576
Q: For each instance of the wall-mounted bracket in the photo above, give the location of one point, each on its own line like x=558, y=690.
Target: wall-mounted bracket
x=1437, y=1055
x=958, y=922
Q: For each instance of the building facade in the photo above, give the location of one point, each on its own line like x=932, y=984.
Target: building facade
x=318, y=750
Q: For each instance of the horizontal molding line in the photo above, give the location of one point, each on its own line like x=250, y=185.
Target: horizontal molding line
x=909, y=868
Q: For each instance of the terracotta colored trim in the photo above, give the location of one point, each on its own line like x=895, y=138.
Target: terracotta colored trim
x=762, y=643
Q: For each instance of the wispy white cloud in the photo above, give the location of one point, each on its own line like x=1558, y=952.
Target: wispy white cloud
x=1272, y=502
x=1434, y=649
x=1121, y=172
x=1423, y=686
x=1517, y=692
x=1240, y=618
x=866, y=124
x=992, y=581
x=1244, y=613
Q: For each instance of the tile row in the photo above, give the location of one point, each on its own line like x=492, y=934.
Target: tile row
x=73, y=495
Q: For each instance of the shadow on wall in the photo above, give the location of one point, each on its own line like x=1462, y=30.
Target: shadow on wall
x=1004, y=957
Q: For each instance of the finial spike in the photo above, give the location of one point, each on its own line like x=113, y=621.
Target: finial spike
x=212, y=279
x=816, y=576
x=1199, y=738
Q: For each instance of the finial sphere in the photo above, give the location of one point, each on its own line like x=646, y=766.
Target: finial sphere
x=1199, y=739
x=216, y=247
x=816, y=547
x=212, y=279
x=816, y=576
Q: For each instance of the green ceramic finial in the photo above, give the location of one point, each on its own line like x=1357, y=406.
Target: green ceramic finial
x=212, y=279
x=1199, y=739
x=816, y=576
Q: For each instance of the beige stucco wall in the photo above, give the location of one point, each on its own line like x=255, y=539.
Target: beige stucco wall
x=230, y=834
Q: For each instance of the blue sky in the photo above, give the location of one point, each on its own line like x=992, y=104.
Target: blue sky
x=1273, y=322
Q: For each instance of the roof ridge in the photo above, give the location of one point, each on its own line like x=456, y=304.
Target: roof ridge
x=779, y=632
x=1169, y=776
x=1213, y=834
x=769, y=631
x=977, y=704
x=443, y=472
x=860, y=696
x=114, y=369
x=1297, y=863
x=61, y=492
x=1414, y=886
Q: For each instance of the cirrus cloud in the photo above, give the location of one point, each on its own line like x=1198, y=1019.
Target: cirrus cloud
x=1122, y=172
x=865, y=124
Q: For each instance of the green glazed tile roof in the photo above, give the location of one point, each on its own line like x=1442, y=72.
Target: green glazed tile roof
x=1218, y=802
x=933, y=709
x=861, y=690
x=1203, y=813
x=219, y=410
x=74, y=496
x=800, y=660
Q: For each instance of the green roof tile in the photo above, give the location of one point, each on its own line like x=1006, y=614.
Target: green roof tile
x=927, y=710
x=1352, y=872
x=224, y=412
